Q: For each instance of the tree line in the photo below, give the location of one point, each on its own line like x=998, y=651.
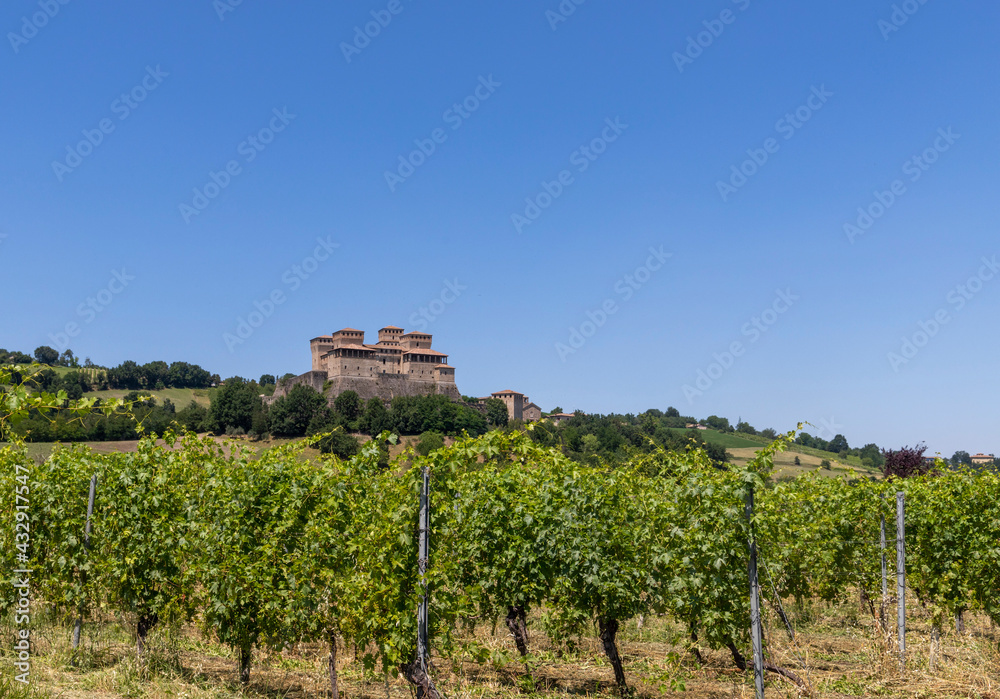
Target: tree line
x=129, y=375
x=238, y=408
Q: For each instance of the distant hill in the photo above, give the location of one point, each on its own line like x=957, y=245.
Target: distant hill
x=742, y=447
x=729, y=440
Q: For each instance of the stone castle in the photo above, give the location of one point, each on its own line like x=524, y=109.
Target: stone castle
x=399, y=364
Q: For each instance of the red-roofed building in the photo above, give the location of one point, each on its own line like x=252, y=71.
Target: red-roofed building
x=342, y=358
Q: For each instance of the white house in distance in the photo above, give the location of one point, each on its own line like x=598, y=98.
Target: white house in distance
x=979, y=459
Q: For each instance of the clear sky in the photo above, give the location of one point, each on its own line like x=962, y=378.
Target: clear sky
x=617, y=206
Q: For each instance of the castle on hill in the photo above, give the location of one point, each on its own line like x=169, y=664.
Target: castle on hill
x=399, y=364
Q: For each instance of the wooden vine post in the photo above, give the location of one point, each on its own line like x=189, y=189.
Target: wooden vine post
x=901, y=578
x=755, y=623
x=423, y=643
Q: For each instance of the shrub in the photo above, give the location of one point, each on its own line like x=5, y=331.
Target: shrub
x=340, y=444
x=429, y=441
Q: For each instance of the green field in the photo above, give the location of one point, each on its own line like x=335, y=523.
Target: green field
x=180, y=397
x=742, y=447
x=728, y=440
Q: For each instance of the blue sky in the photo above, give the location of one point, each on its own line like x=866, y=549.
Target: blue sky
x=622, y=123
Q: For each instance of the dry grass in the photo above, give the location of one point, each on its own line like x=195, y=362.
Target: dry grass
x=784, y=463
x=836, y=649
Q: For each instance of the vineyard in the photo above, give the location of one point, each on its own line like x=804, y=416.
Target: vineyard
x=268, y=551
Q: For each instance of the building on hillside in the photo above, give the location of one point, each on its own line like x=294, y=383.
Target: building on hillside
x=695, y=426
x=399, y=364
x=531, y=412
x=979, y=459
x=514, y=402
x=519, y=406
x=560, y=417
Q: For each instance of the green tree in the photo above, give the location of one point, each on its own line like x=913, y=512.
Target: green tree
x=428, y=442
x=745, y=427
x=961, y=457
x=127, y=375
x=872, y=452
x=192, y=418
x=184, y=375
x=376, y=418
x=233, y=406
x=718, y=423
x=340, y=444
x=154, y=373
x=591, y=444
x=267, y=380
x=838, y=444
x=260, y=422
x=349, y=405
x=68, y=359
x=496, y=412
x=291, y=414
x=46, y=355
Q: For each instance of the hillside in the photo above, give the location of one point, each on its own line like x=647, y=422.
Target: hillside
x=180, y=397
x=729, y=440
x=742, y=447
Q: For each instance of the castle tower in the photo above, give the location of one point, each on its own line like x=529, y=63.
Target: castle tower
x=390, y=335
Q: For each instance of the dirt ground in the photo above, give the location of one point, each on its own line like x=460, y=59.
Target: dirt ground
x=836, y=652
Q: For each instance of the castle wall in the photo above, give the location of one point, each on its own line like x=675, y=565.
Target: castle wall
x=354, y=366
x=385, y=387
x=389, y=387
x=316, y=379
